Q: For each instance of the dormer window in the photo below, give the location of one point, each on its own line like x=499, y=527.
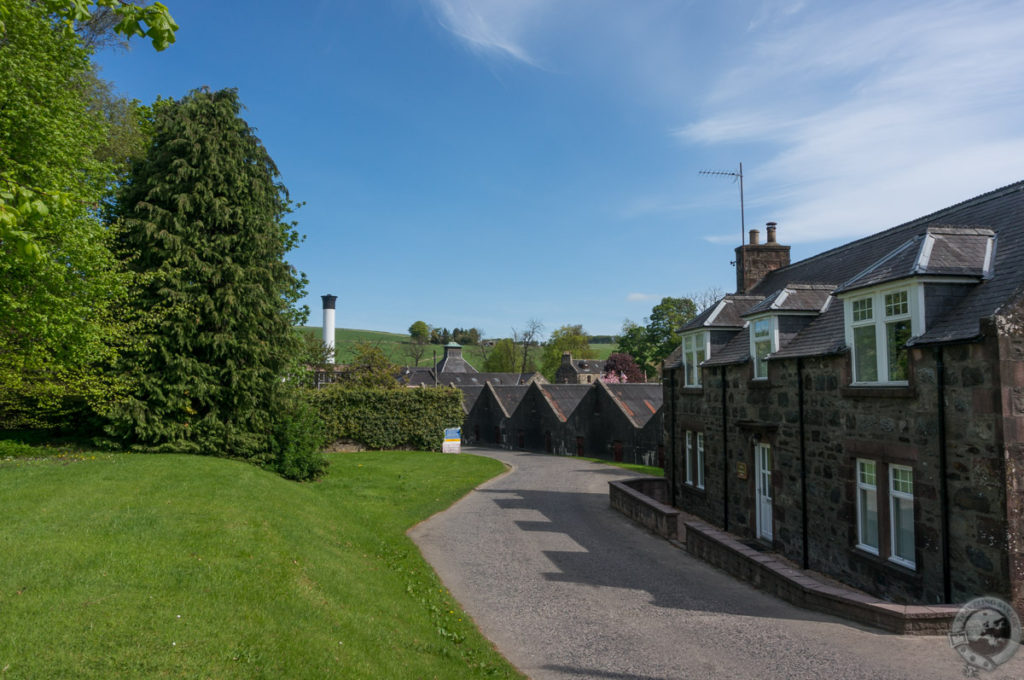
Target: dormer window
x=763, y=341
x=878, y=326
x=695, y=351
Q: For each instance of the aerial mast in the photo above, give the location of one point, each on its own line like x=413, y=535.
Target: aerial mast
x=734, y=175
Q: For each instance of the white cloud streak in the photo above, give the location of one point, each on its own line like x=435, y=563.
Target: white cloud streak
x=878, y=116
x=491, y=26
x=641, y=297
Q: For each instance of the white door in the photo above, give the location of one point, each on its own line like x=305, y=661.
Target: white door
x=763, y=456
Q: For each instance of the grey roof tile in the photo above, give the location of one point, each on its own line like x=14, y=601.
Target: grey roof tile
x=960, y=233
x=639, y=401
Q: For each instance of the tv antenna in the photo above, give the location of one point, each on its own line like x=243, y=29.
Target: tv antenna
x=734, y=175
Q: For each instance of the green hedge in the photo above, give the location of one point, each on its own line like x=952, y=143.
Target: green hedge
x=389, y=418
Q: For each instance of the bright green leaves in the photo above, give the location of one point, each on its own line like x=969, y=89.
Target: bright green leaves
x=146, y=21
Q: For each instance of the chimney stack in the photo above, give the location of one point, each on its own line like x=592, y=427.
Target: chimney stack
x=328, y=328
x=757, y=260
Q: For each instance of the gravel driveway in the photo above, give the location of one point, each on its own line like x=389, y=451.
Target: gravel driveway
x=567, y=588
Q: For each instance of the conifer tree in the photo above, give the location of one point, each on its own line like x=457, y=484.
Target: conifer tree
x=203, y=227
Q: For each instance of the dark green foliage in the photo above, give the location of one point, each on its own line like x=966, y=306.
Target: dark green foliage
x=203, y=229
x=389, y=418
x=298, y=438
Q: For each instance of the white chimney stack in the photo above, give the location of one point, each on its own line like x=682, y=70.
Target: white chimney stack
x=329, y=325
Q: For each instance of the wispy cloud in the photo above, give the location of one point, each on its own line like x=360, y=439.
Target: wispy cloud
x=876, y=115
x=491, y=26
x=641, y=297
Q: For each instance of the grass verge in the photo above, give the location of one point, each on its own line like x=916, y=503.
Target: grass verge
x=118, y=565
x=645, y=469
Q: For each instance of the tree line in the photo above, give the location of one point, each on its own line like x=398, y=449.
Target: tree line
x=145, y=295
x=642, y=347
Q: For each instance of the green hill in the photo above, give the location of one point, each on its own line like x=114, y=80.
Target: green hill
x=397, y=347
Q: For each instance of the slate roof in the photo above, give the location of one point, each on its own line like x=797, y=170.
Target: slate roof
x=675, y=359
x=940, y=251
x=470, y=395
x=639, y=401
x=795, y=298
x=424, y=377
x=452, y=361
x=980, y=241
x=586, y=366
x=564, y=398
x=509, y=396
x=726, y=313
x=735, y=352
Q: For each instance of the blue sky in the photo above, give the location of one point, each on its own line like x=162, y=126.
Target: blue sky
x=481, y=163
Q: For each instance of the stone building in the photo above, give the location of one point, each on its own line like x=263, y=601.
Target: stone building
x=861, y=412
x=579, y=371
x=619, y=422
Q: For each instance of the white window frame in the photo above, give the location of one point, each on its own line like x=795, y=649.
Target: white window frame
x=700, y=460
x=694, y=459
x=773, y=338
x=879, y=321
x=689, y=457
x=895, y=496
x=871, y=488
x=696, y=349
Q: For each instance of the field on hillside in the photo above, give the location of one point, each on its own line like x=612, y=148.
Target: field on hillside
x=396, y=347
x=144, y=566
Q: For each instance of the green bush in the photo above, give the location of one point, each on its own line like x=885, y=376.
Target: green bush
x=297, y=439
x=15, y=449
x=389, y=418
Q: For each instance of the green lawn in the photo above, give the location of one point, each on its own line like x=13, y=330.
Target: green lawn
x=144, y=566
x=645, y=469
x=396, y=347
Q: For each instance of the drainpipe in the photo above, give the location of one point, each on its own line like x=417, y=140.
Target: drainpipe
x=940, y=385
x=725, y=458
x=671, y=460
x=803, y=460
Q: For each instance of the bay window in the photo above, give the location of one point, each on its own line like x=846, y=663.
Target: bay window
x=878, y=326
x=763, y=341
x=695, y=351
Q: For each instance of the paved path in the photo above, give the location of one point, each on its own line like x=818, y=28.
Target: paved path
x=567, y=588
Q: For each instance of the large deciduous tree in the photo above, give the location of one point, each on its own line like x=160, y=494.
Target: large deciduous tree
x=651, y=343
x=204, y=228
x=622, y=368
x=59, y=283
x=569, y=338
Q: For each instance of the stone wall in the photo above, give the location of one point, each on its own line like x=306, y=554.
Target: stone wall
x=1009, y=328
x=836, y=424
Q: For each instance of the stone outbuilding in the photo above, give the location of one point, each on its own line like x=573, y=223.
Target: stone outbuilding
x=861, y=412
x=619, y=422
x=579, y=371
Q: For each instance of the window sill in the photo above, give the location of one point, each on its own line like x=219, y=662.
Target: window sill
x=878, y=391
x=892, y=569
x=759, y=384
x=692, y=389
x=693, y=489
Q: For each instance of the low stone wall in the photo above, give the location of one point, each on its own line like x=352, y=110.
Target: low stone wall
x=641, y=500
x=768, y=573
